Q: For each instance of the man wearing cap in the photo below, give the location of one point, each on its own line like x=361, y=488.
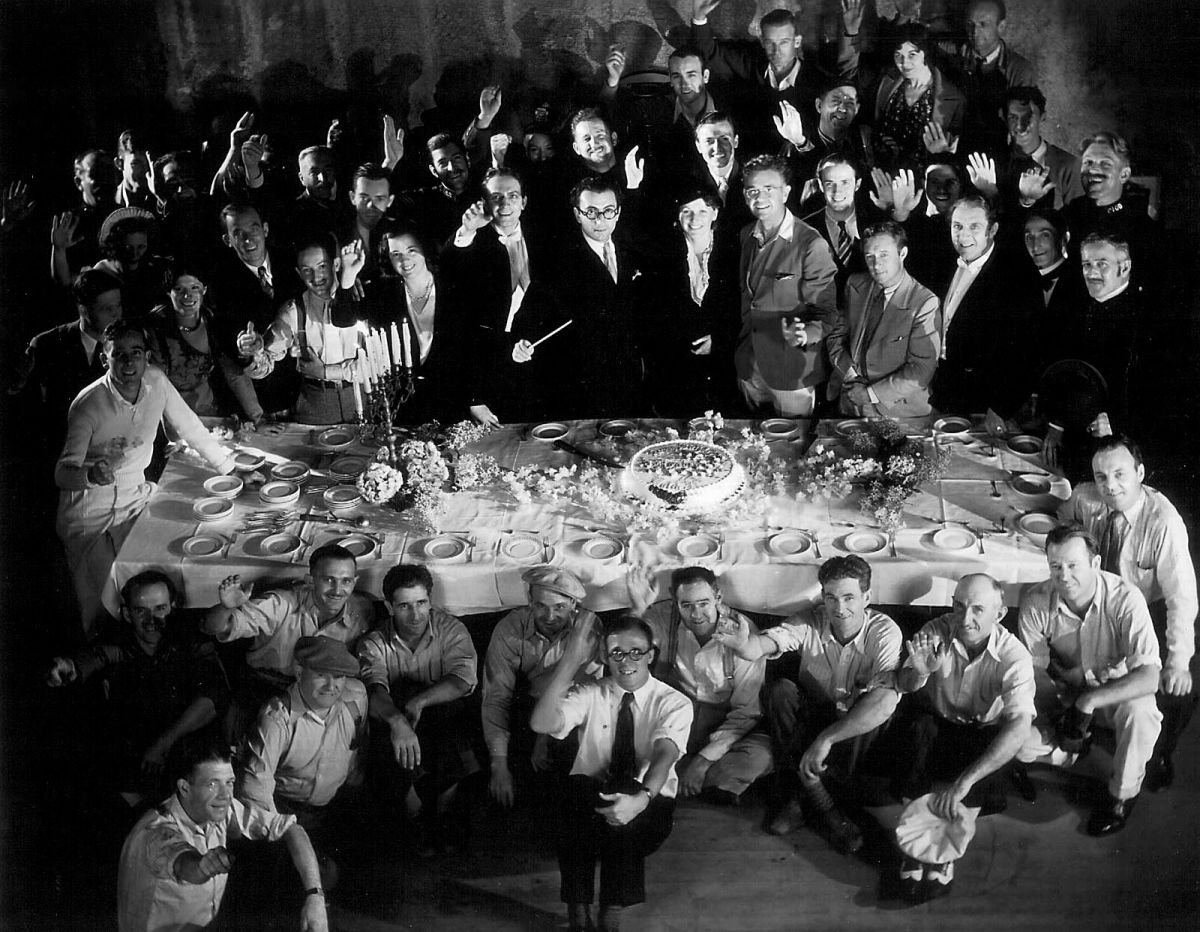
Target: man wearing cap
x=326, y=605
x=525, y=646
x=836, y=698
x=969, y=710
x=1144, y=541
x=726, y=752
x=619, y=801
x=303, y=750
x=419, y=670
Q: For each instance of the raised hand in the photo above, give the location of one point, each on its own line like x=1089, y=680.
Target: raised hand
x=982, y=171
x=232, y=594
x=1052, y=447
x=642, y=583
x=354, y=257
x=926, y=652
x=393, y=142
x=333, y=135
x=581, y=645
x=852, y=16
x=490, y=99
x=905, y=196
x=881, y=197
x=635, y=169
x=249, y=343
x=475, y=217
x=17, y=205
x=253, y=150
x=62, y=670
x=241, y=132
x=62, y=230
x=701, y=9
x=155, y=758
x=499, y=144
x=101, y=473
x=1034, y=184
x=735, y=637
x=937, y=140
x=615, y=64
x=789, y=125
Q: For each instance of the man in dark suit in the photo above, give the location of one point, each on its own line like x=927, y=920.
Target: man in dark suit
x=717, y=142
x=986, y=317
x=503, y=263
x=1024, y=110
x=438, y=208
x=593, y=368
x=840, y=213
x=245, y=288
x=884, y=347
x=1063, y=293
x=838, y=130
x=66, y=358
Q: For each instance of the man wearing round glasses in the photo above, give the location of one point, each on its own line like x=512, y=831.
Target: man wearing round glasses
x=619, y=804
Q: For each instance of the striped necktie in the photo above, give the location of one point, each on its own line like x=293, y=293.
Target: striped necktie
x=844, y=243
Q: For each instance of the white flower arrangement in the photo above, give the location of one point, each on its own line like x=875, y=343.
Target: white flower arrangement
x=380, y=483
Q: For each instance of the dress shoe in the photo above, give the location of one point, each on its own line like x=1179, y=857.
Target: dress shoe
x=1110, y=816
x=1023, y=783
x=843, y=835
x=909, y=887
x=1160, y=774
x=939, y=878
x=787, y=820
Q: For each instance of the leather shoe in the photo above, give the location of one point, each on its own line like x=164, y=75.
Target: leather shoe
x=843, y=835
x=787, y=820
x=1110, y=816
x=1023, y=783
x=1160, y=774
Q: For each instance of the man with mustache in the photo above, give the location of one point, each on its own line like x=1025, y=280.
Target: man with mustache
x=163, y=683
x=438, y=208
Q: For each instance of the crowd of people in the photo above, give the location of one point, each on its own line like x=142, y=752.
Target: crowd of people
x=874, y=228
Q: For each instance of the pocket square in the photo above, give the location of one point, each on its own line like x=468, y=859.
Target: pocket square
x=782, y=276
x=636, y=275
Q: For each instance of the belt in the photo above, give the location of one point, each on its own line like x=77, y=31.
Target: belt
x=326, y=383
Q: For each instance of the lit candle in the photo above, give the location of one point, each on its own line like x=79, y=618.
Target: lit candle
x=396, y=346
x=358, y=402
x=405, y=345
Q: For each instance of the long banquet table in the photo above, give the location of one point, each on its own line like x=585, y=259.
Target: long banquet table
x=975, y=490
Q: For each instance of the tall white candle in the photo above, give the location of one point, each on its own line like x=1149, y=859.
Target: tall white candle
x=405, y=345
x=396, y=346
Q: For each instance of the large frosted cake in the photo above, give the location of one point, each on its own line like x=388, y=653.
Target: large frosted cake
x=684, y=475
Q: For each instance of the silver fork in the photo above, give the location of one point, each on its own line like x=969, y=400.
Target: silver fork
x=229, y=543
x=979, y=538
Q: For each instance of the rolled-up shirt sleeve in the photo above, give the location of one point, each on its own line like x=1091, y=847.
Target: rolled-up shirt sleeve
x=674, y=722
x=744, y=710
x=458, y=654
x=264, y=750
x=258, y=616
x=372, y=664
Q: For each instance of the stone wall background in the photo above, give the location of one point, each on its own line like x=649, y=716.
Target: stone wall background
x=73, y=74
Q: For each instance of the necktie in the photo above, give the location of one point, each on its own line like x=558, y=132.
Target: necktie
x=1111, y=541
x=844, y=242
x=624, y=758
x=871, y=324
x=722, y=188
x=610, y=259
x=264, y=283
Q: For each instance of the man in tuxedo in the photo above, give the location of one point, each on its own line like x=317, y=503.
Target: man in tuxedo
x=789, y=296
x=717, y=141
x=594, y=367
x=66, y=358
x=1063, y=293
x=245, y=288
x=501, y=260
x=884, y=347
x=992, y=298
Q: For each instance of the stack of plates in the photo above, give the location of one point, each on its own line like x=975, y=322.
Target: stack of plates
x=342, y=497
x=291, y=471
x=347, y=468
x=336, y=438
x=1036, y=526
x=223, y=486
x=278, y=492
x=213, y=509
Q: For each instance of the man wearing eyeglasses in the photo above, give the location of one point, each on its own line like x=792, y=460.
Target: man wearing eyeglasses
x=594, y=367
x=789, y=296
x=726, y=751
x=620, y=802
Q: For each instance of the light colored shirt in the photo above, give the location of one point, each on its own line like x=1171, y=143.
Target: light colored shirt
x=445, y=649
x=964, y=275
x=601, y=251
x=517, y=651
x=831, y=226
x=254, y=270
x=788, y=81
x=1114, y=637
x=710, y=674
x=328, y=346
x=1154, y=556
x=996, y=684
x=301, y=754
x=785, y=232
x=149, y=897
x=279, y=618
x=658, y=712
x=841, y=672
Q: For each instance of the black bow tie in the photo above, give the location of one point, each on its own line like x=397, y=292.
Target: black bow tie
x=1049, y=279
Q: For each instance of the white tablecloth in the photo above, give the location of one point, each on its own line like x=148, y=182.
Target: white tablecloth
x=753, y=578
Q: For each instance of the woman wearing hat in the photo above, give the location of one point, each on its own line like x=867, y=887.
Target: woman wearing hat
x=125, y=238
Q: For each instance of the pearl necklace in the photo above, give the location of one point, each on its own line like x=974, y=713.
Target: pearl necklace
x=199, y=323
x=419, y=302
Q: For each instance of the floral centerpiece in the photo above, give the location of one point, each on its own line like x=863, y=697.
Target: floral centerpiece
x=893, y=465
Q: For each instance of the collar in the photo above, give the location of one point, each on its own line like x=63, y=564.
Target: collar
x=174, y=808
x=514, y=237
x=1133, y=513
x=423, y=641
x=789, y=79
x=1039, y=154
x=641, y=695
x=598, y=248
x=705, y=110
x=994, y=54
x=1054, y=269
x=298, y=705
x=930, y=207
x=1058, y=605
x=89, y=342
x=310, y=603
x=976, y=264
x=826, y=628
x=787, y=229
x=119, y=398
x=726, y=174
x=266, y=265
x=1120, y=291
x=991, y=647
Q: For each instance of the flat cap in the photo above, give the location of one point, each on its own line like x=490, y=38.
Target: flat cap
x=325, y=655
x=564, y=582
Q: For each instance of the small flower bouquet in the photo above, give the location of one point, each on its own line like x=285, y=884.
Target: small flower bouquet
x=380, y=483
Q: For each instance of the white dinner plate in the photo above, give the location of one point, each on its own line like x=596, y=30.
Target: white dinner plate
x=602, y=548
x=525, y=550
x=952, y=425
x=203, y=545
x=279, y=492
x=953, y=538
x=1031, y=485
x=336, y=438
x=789, y=543
x=246, y=461
x=697, y=546
x=444, y=547
x=347, y=467
x=861, y=542
x=617, y=427
x=1025, y=444
x=779, y=428
x=1037, y=525
x=291, y=471
x=223, y=486
x=359, y=545
x=213, y=509
x=550, y=431
x=279, y=545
